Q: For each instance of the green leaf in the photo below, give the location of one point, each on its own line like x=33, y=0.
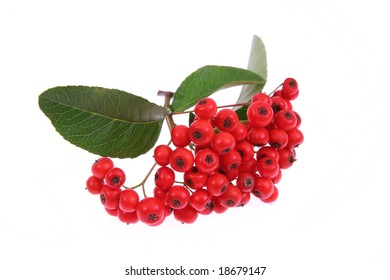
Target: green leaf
x=209, y=79
x=106, y=122
x=241, y=113
x=258, y=64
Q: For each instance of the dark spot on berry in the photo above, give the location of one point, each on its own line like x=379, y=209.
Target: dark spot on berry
x=210, y=205
x=276, y=107
x=233, y=166
x=116, y=180
x=226, y=151
x=209, y=159
x=291, y=159
x=268, y=161
x=197, y=135
x=241, y=152
x=257, y=194
x=103, y=199
x=248, y=182
x=287, y=115
x=152, y=217
x=180, y=162
x=275, y=145
x=176, y=202
x=292, y=84
x=230, y=202
x=227, y=123
x=202, y=102
x=189, y=182
x=156, y=176
x=262, y=111
x=223, y=189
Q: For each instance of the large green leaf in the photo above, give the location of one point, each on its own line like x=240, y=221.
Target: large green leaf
x=209, y=79
x=258, y=64
x=106, y=122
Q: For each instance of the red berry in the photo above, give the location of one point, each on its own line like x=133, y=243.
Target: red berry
x=206, y=160
x=101, y=167
x=205, y=108
x=240, y=132
x=217, y=184
x=272, y=198
x=267, y=167
x=258, y=136
x=112, y=212
x=218, y=207
x=245, y=197
x=295, y=138
x=286, y=158
x=151, y=211
x=299, y=120
x=195, y=179
x=161, y=154
x=245, y=149
x=278, y=177
x=285, y=119
x=290, y=89
x=181, y=159
x=110, y=197
x=263, y=188
x=230, y=161
x=267, y=151
x=128, y=200
x=186, y=215
x=259, y=114
x=115, y=178
x=245, y=181
x=261, y=97
x=231, y=197
x=279, y=104
x=201, y=132
x=222, y=143
x=226, y=120
x=200, y=199
x=127, y=217
x=94, y=185
x=180, y=136
x=278, y=138
x=164, y=178
x=248, y=166
x=177, y=197
x=160, y=194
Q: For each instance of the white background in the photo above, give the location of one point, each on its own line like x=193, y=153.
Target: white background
x=331, y=220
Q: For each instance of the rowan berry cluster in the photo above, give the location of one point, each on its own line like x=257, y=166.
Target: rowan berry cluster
x=223, y=162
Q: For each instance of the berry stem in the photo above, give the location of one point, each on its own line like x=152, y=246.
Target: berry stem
x=167, y=104
x=219, y=107
x=142, y=184
x=272, y=92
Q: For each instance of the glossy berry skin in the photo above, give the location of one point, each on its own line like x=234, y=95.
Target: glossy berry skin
x=299, y=120
x=285, y=119
x=181, y=159
x=160, y=194
x=205, y=108
x=231, y=197
x=218, y=207
x=259, y=114
x=278, y=138
x=217, y=184
x=240, y=132
x=115, y=178
x=267, y=151
x=180, y=136
x=279, y=104
x=290, y=89
x=151, y=211
x=222, y=143
x=248, y=166
x=278, y=177
x=201, y=132
x=267, y=167
x=127, y=217
x=128, y=200
x=200, y=199
x=273, y=197
x=177, y=197
x=206, y=160
x=245, y=149
x=245, y=181
x=286, y=158
x=195, y=179
x=261, y=96
x=164, y=178
x=186, y=215
x=161, y=155
x=112, y=212
x=263, y=188
x=295, y=138
x=226, y=120
x=94, y=185
x=110, y=197
x=230, y=161
x=258, y=136
x=101, y=166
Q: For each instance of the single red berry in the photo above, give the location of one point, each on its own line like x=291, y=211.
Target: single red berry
x=263, y=188
x=299, y=120
x=226, y=120
x=278, y=177
x=290, y=89
x=206, y=160
x=245, y=181
x=295, y=138
x=267, y=167
x=94, y=185
x=112, y=212
x=201, y=132
x=272, y=197
x=240, y=132
x=110, y=197
x=245, y=197
x=209, y=209
x=127, y=217
x=200, y=199
x=258, y=136
x=248, y=166
x=101, y=166
x=128, y=200
x=164, y=178
x=261, y=96
x=218, y=207
x=177, y=197
x=279, y=104
x=245, y=149
x=230, y=161
x=231, y=175
x=161, y=154
x=217, y=184
x=259, y=114
x=278, y=138
x=277, y=93
x=267, y=151
x=151, y=211
x=180, y=136
x=231, y=197
x=115, y=177
x=286, y=158
x=205, y=108
x=160, y=194
x=186, y=215
x=181, y=159
x=223, y=143
x=194, y=178
x=285, y=119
